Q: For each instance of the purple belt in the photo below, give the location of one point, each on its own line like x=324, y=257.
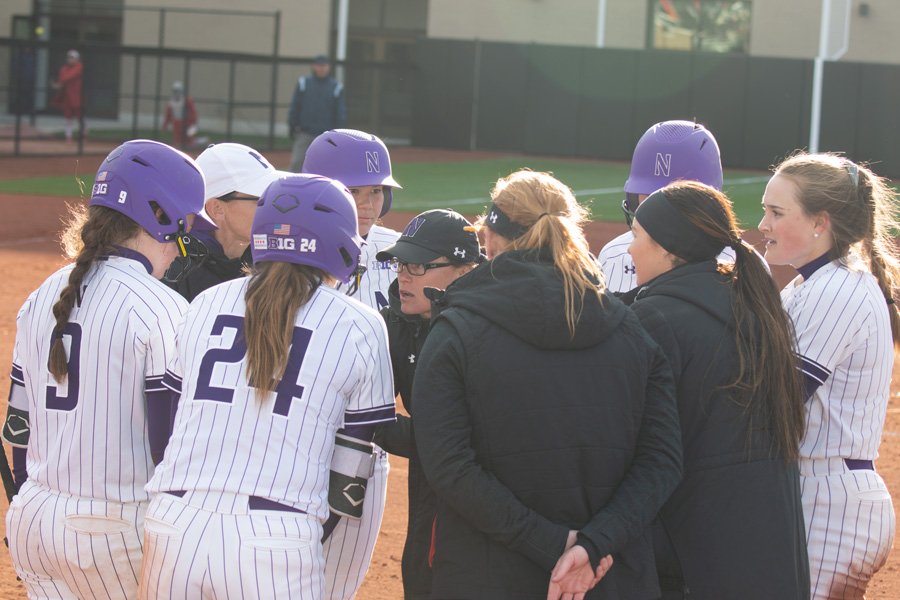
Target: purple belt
x=855, y=464
x=254, y=503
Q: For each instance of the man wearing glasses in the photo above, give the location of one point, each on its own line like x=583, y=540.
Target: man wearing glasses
x=236, y=176
x=436, y=248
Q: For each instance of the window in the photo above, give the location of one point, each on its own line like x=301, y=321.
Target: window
x=705, y=25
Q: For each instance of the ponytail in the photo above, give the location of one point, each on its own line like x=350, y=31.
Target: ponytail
x=89, y=234
x=277, y=290
x=878, y=245
x=767, y=382
x=553, y=221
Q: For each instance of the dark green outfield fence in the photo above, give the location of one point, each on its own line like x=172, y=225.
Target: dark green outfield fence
x=537, y=99
x=594, y=102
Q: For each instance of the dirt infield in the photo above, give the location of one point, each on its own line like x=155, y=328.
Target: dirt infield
x=29, y=226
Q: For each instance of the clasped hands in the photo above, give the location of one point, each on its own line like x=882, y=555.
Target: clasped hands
x=573, y=576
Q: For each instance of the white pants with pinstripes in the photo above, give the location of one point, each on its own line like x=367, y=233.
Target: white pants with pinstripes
x=69, y=547
x=211, y=545
x=348, y=550
x=849, y=527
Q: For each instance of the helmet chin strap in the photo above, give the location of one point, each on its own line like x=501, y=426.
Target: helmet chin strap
x=179, y=239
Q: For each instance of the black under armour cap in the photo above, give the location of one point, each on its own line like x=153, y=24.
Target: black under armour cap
x=435, y=233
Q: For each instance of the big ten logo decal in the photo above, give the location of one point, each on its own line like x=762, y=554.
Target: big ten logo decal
x=663, y=164
x=280, y=243
x=99, y=189
x=276, y=243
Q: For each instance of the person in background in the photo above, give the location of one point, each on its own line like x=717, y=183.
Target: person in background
x=68, y=86
x=668, y=151
x=316, y=106
x=181, y=116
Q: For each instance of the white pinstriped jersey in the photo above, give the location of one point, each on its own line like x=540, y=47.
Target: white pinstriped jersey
x=374, y=284
x=224, y=439
x=844, y=341
x=89, y=435
x=618, y=268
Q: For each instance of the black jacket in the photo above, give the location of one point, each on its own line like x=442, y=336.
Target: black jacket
x=525, y=432
x=406, y=336
x=734, y=527
x=216, y=268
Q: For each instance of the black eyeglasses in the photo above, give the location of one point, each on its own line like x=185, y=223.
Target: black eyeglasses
x=415, y=269
x=234, y=196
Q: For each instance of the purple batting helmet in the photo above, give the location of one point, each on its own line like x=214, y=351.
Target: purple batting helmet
x=674, y=150
x=355, y=158
x=307, y=220
x=141, y=176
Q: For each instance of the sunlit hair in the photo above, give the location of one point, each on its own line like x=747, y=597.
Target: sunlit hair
x=277, y=290
x=554, y=219
x=768, y=382
x=90, y=232
x=861, y=207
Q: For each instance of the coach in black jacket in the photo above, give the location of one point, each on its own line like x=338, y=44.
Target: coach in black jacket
x=528, y=431
x=432, y=239
x=734, y=527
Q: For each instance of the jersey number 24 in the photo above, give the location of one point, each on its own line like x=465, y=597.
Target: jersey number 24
x=287, y=388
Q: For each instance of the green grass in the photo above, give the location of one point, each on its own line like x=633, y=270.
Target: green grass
x=465, y=185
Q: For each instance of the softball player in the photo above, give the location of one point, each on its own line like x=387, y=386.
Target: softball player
x=87, y=399
x=360, y=161
x=833, y=220
x=269, y=368
x=668, y=151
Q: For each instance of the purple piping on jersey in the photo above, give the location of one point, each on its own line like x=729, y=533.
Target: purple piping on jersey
x=814, y=265
x=814, y=375
x=159, y=421
x=253, y=503
x=124, y=252
x=17, y=375
x=20, y=469
x=855, y=464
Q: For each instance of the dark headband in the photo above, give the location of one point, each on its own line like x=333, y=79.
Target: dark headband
x=674, y=232
x=500, y=223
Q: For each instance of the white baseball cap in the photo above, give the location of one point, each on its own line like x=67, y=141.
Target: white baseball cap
x=230, y=167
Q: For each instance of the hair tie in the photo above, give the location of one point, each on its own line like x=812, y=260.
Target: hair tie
x=853, y=171
x=889, y=300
